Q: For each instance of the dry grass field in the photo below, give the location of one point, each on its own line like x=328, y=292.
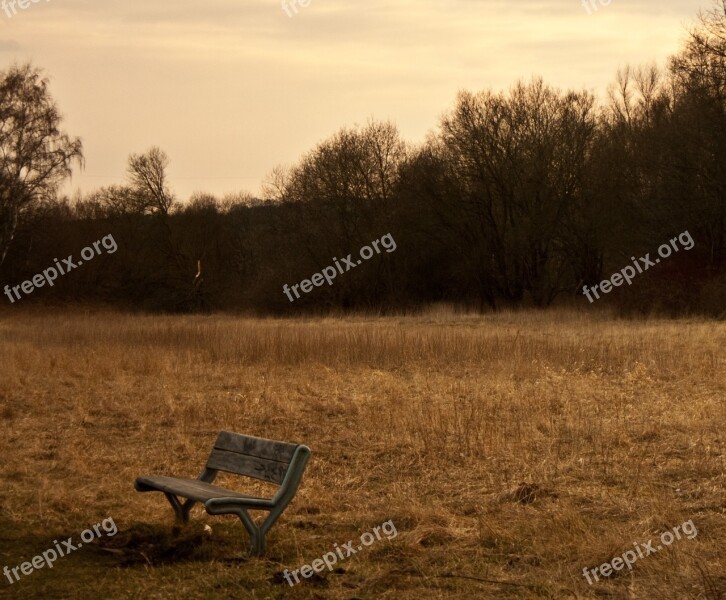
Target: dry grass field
x=510, y=451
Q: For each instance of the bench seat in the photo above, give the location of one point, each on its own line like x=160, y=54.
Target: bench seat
x=195, y=490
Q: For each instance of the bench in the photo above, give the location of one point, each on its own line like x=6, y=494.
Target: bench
x=275, y=462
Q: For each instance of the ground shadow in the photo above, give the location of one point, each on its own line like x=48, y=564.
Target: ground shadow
x=157, y=545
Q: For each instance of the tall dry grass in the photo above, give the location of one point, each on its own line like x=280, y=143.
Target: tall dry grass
x=434, y=422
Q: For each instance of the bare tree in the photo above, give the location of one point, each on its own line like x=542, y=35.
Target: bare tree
x=342, y=193
x=148, y=178
x=116, y=201
x=276, y=183
x=519, y=161
x=700, y=72
x=35, y=155
x=704, y=59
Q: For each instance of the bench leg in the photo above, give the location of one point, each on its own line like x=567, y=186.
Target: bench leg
x=257, y=532
x=181, y=511
x=257, y=537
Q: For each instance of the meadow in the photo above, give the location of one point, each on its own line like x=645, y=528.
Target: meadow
x=511, y=451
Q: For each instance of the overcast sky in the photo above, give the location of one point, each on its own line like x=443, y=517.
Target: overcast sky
x=231, y=88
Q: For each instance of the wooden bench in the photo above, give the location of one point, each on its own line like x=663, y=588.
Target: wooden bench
x=274, y=462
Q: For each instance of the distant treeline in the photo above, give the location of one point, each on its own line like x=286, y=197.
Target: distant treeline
x=517, y=198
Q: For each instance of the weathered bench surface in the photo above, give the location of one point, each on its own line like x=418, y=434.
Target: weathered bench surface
x=275, y=462
x=192, y=488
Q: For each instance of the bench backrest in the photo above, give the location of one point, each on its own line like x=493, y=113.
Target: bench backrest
x=251, y=456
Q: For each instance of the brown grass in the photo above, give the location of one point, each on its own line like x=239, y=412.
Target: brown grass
x=617, y=428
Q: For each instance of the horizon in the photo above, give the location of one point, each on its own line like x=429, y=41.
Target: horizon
x=386, y=64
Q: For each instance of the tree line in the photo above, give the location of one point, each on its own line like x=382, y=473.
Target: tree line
x=517, y=198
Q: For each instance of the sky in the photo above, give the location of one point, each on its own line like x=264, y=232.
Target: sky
x=229, y=89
